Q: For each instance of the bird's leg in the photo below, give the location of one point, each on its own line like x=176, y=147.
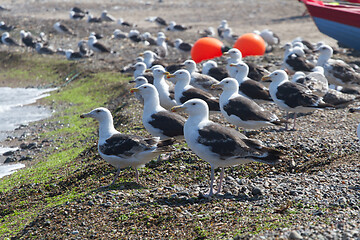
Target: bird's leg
x=211, y=192
x=137, y=176
x=294, y=126
x=221, y=181
x=116, y=176
x=287, y=118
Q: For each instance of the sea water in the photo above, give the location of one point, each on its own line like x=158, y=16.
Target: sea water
x=17, y=108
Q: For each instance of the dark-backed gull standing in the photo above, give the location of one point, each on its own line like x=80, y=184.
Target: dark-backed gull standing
x=121, y=150
x=158, y=121
x=184, y=91
x=97, y=46
x=241, y=111
x=336, y=71
x=249, y=87
x=293, y=97
x=218, y=145
x=62, y=28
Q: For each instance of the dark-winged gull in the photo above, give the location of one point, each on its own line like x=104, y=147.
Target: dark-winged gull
x=184, y=91
x=122, y=150
x=241, y=111
x=158, y=121
x=293, y=97
x=218, y=145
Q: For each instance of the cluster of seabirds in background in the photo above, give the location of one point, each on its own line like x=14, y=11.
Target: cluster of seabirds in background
x=237, y=91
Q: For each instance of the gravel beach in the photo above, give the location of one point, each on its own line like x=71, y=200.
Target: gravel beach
x=314, y=193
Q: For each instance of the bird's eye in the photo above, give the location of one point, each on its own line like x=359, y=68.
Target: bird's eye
x=227, y=82
x=98, y=111
x=275, y=74
x=194, y=104
x=145, y=87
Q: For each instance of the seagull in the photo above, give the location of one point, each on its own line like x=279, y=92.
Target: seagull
x=269, y=37
x=149, y=58
x=79, y=10
x=7, y=28
x=199, y=80
x=140, y=70
x=62, y=28
x=162, y=46
x=176, y=27
x=121, y=150
x=158, y=121
x=138, y=82
x=315, y=81
x=27, y=39
x=295, y=61
x=158, y=20
x=149, y=40
x=44, y=50
x=208, y=32
x=97, y=46
x=293, y=97
x=73, y=56
x=184, y=91
x=336, y=71
x=98, y=36
x=211, y=68
x=183, y=47
x=221, y=28
x=241, y=111
x=76, y=15
x=229, y=36
x=167, y=100
x=134, y=35
x=84, y=51
x=235, y=56
x=218, y=145
x=248, y=87
x=121, y=22
x=92, y=19
x=107, y=17
x=7, y=40
x=118, y=34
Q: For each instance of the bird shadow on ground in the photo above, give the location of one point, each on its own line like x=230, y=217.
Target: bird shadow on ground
x=183, y=201
x=120, y=186
x=290, y=18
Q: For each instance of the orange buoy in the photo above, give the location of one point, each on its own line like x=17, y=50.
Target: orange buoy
x=250, y=44
x=206, y=48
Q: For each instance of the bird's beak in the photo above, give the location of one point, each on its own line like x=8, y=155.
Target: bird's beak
x=169, y=75
x=87, y=38
x=132, y=90
x=141, y=54
x=232, y=65
x=266, y=78
x=225, y=53
x=178, y=108
x=148, y=70
x=215, y=86
x=84, y=115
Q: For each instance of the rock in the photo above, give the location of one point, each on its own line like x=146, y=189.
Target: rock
x=25, y=158
x=257, y=191
x=10, y=160
x=294, y=235
x=8, y=153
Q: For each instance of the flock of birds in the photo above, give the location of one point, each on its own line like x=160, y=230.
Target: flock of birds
x=236, y=91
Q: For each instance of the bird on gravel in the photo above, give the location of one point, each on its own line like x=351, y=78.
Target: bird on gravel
x=122, y=150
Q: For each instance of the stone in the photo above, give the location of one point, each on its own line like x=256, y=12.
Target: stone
x=294, y=235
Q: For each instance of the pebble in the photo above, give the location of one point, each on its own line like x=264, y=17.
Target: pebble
x=294, y=235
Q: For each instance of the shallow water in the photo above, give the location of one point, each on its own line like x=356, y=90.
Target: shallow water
x=15, y=109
